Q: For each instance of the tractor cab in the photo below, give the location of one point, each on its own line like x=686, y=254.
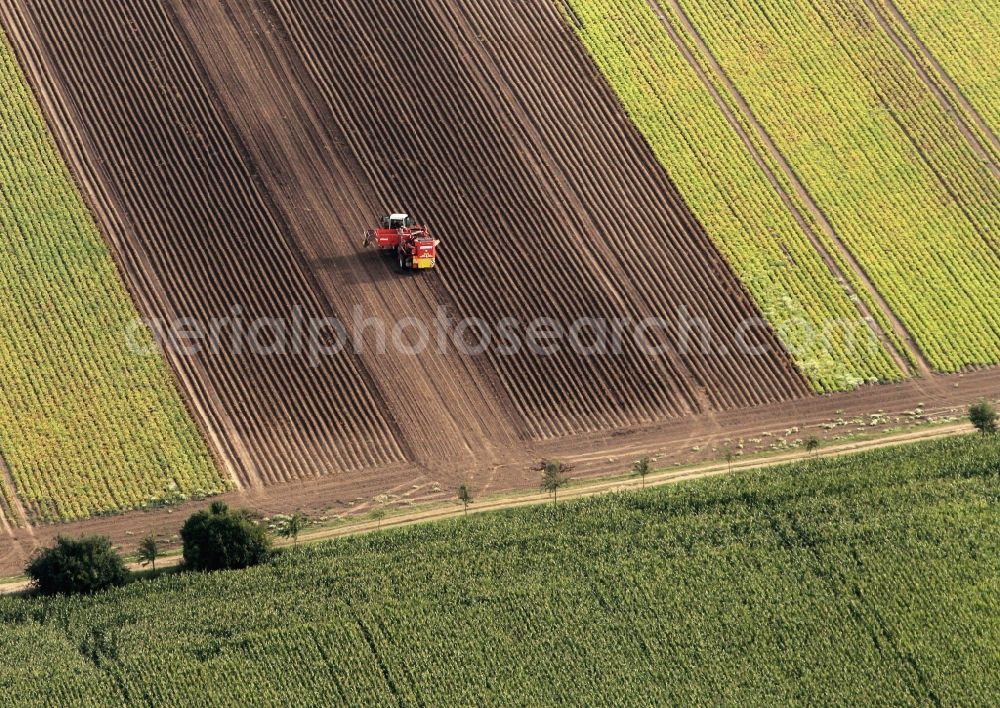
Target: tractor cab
x=398, y=221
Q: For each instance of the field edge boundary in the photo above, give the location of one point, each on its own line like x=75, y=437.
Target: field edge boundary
x=598, y=486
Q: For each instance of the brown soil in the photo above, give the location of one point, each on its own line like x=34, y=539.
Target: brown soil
x=234, y=152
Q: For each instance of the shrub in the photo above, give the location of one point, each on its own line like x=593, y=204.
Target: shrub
x=85, y=565
x=984, y=417
x=220, y=539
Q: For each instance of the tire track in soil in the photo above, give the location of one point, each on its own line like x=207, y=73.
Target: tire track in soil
x=262, y=87
x=18, y=510
x=923, y=365
x=570, y=372
x=17, y=533
x=955, y=96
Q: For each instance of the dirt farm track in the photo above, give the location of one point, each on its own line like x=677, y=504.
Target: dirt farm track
x=234, y=151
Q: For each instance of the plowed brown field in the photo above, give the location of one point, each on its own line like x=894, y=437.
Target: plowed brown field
x=234, y=152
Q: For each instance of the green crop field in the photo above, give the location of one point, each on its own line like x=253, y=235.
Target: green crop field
x=879, y=157
x=87, y=427
x=964, y=38
x=730, y=194
x=871, y=579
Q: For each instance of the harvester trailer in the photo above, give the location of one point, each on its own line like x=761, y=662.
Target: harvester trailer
x=411, y=243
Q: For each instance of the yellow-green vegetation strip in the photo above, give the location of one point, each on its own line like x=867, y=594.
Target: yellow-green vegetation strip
x=86, y=426
x=879, y=156
x=7, y=507
x=858, y=288
x=964, y=37
x=796, y=291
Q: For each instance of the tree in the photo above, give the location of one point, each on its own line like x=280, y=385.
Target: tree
x=292, y=527
x=554, y=477
x=85, y=565
x=378, y=515
x=984, y=417
x=149, y=551
x=642, y=468
x=220, y=539
x=812, y=444
x=730, y=456
x=465, y=496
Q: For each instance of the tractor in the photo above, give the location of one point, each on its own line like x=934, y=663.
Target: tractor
x=412, y=244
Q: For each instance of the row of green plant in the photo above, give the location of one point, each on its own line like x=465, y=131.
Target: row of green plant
x=879, y=155
x=867, y=579
x=806, y=301
x=962, y=36
x=86, y=425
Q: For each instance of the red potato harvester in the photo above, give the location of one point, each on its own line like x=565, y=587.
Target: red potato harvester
x=412, y=243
